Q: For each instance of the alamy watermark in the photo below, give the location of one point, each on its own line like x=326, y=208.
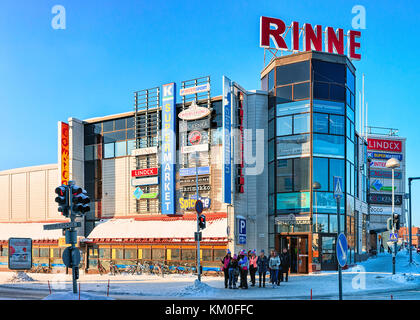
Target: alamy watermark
x=59, y=20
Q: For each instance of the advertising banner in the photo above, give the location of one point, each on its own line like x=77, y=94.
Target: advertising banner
x=385, y=174
x=168, y=148
x=385, y=185
x=380, y=198
x=384, y=156
x=378, y=164
x=144, y=172
x=20, y=253
x=63, y=152
x=143, y=151
x=385, y=145
x=227, y=123
x=192, y=171
x=194, y=125
x=144, y=181
x=189, y=204
x=194, y=90
x=384, y=210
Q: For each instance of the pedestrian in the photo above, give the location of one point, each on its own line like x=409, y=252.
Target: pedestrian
x=233, y=271
x=274, y=264
x=284, y=264
x=253, y=266
x=243, y=267
x=225, y=266
x=262, y=263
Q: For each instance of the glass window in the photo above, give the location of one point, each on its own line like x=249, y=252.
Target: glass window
x=328, y=145
x=294, y=72
x=89, y=153
x=131, y=145
x=175, y=254
x=301, y=123
x=320, y=172
x=264, y=83
x=93, y=128
x=333, y=222
x=114, y=136
x=271, y=80
x=147, y=253
x=109, y=151
x=326, y=203
x=336, y=124
x=206, y=255
x=301, y=91
x=271, y=177
x=158, y=254
x=271, y=129
x=118, y=253
x=121, y=148
x=301, y=174
x=284, y=126
x=284, y=175
x=350, y=151
x=350, y=114
x=320, y=222
x=329, y=106
x=337, y=92
x=336, y=170
x=130, y=254
x=108, y=125
x=271, y=150
x=218, y=254
x=44, y=252
x=130, y=122
x=120, y=124
x=350, y=80
x=321, y=90
x=284, y=109
x=292, y=146
x=328, y=72
x=293, y=202
x=284, y=93
x=130, y=134
x=188, y=254
x=56, y=253
x=35, y=252
x=104, y=253
x=320, y=122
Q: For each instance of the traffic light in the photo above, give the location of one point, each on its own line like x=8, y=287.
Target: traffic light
x=389, y=223
x=202, y=222
x=397, y=221
x=79, y=200
x=62, y=199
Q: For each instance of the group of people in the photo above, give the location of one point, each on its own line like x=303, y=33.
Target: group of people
x=238, y=265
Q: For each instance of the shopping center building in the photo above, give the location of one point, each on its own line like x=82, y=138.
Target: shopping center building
x=264, y=162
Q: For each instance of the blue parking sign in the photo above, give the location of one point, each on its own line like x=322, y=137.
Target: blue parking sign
x=241, y=231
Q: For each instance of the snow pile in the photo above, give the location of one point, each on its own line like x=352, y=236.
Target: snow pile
x=21, y=277
x=197, y=289
x=402, y=278
x=75, y=296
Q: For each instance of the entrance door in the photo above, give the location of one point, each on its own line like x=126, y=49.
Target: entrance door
x=298, y=250
x=327, y=252
x=302, y=255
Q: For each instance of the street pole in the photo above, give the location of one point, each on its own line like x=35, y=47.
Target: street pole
x=198, y=225
x=71, y=238
x=393, y=225
x=340, y=278
x=410, y=239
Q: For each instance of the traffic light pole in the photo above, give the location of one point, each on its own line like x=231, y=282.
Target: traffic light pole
x=72, y=237
x=198, y=225
x=340, y=276
x=393, y=226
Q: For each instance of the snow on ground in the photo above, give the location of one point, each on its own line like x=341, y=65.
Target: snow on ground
x=75, y=296
x=373, y=275
x=21, y=277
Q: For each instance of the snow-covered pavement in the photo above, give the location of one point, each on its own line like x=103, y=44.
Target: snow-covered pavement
x=371, y=276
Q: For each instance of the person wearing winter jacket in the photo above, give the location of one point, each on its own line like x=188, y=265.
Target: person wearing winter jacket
x=243, y=267
x=253, y=267
x=274, y=264
x=262, y=263
x=233, y=269
x=225, y=266
x=285, y=265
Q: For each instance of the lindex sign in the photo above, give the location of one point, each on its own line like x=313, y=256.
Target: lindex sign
x=385, y=145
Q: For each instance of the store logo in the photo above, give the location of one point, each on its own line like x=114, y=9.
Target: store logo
x=385, y=145
x=275, y=30
x=189, y=204
x=194, y=112
x=194, y=90
x=194, y=137
x=144, y=172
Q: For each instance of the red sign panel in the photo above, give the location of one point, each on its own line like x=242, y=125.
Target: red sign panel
x=65, y=157
x=385, y=145
x=144, y=172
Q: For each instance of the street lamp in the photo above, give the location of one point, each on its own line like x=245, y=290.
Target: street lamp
x=316, y=186
x=393, y=164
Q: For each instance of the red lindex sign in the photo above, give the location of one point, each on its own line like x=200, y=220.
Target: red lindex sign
x=144, y=172
x=385, y=145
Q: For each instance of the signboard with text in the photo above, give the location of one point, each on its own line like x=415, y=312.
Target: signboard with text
x=193, y=171
x=384, y=155
x=144, y=172
x=385, y=145
x=63, y=152
x=227, y=149
x=20, y=253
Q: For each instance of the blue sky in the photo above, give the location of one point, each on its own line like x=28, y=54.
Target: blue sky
x=111, y=48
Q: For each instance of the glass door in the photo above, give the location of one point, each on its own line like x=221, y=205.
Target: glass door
x=302, y=243
x=327, y=252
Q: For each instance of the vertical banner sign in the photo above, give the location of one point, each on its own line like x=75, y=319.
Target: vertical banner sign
x=63, y=151
x=168, y=148
x=227, y=120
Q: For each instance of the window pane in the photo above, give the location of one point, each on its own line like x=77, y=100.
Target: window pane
x=333, y=223
x=264, y=83
x=320, y=172
x=130, y=134
x=321, y=90
x=293, y=202
x=284, y=126
x=336, y=124
x=320, y=222
x=350, y=114
x=108, y=126
x=350, y=151
x=114, y=136
x=188, y=254
x=301, y=91
x=301, y=123
x=271, y=177
x=328, y=72
x=271, y=150
x=329, y=106
x=271, y=80
x=89, y=153
x=121, y=148
x=109, y=151
x=284, y=175
x=320, y=122
x=350, y=80
x=336, y=170
x=130, y=122
x=301, y=174
x=130, y=254
x=158, y=254
x=288, y=147
x=337, y=92
x=284, y=92
x=326, y=203
x=328, y=145
x=283, y=109
x=295, y=72
x=120, y=124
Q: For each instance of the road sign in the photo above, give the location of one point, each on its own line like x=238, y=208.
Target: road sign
x=341, y=250
x=393, y=237
x=71, y=257
x=338, y=187
x=66, y=225
x=138, y=193
x=199, y=206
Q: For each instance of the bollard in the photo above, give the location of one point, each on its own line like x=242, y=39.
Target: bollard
x=107, y=291
x=49, y=287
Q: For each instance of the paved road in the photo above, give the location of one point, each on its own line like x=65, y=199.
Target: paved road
x=21, y=294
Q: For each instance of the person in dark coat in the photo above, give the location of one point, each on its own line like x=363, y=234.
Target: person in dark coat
x=262, y=263
x=233, y=270
x=253, y=266
x=284, y=265
x=243, y=267
x=225, y=266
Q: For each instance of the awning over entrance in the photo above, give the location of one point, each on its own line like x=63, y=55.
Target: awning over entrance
x=175, y=230
x=35, y=231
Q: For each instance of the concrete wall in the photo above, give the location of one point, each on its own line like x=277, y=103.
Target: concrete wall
x=28, y=194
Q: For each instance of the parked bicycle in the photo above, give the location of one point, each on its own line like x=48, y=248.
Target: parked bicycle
x=113, y=269
x=101, y=268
